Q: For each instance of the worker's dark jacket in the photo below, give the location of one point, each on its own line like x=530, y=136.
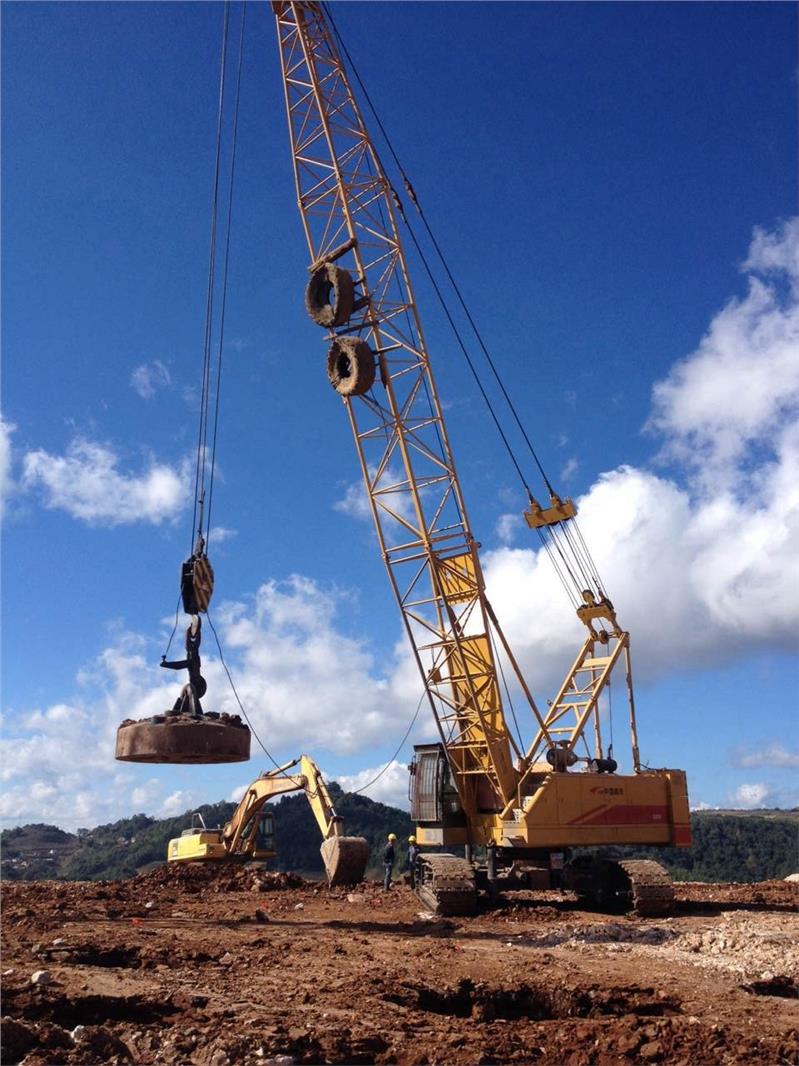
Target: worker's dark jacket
x=413, y=854
x=388, y=855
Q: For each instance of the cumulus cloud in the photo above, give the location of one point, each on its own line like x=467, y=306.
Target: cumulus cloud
x=743, y=379
x=148, y=378
x=303, y=677
x=306, y=684
x=747, y=797
x=702, y=568
x=87, y=483
x=391, y=787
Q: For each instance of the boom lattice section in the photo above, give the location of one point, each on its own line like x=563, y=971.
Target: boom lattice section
x=415, y=498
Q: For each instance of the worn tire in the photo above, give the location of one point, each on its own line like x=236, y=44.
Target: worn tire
x=330, y=295
x=350, y=366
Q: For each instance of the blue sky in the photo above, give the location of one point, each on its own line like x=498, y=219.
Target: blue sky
x=615, y=187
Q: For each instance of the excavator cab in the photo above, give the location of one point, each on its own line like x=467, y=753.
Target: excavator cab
x=199, y=842
x=262, y=830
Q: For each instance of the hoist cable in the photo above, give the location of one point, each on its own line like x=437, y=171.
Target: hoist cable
x=412, y=195
x=199, y=477
x=261, y=744
x=267, y=752
x=582, y=558
x=175, y=626
x=468, y=359
x=610, y=717
x=400, y=746
x=225, y=274
x=579, y=534
x=498, y=661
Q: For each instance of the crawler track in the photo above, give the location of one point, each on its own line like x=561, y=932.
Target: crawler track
x=650, y=888
x=447, y=885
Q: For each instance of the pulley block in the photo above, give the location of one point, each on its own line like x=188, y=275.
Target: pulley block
x=196, y=584
x=330, y=295
x=350, y=366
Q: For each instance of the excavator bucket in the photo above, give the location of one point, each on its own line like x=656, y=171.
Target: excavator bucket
x=345, y=859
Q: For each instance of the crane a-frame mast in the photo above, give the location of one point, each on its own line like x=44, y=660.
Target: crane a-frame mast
x=349, y=216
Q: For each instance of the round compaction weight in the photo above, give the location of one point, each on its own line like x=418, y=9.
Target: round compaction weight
x=330, y=295
x=183, y=739
x=350, y=366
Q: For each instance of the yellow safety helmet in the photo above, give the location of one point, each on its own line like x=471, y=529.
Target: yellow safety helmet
x=411, y=840
x=391, y=836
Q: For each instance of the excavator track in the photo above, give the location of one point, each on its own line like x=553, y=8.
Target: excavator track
x=650, y=889
x=447, y=885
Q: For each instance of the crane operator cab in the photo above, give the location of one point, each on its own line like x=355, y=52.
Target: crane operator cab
x=435, y=805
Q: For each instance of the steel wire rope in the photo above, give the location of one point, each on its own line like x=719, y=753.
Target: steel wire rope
x=369, y=784
x=199, y=476
x=267, y=752
x=426, y=265
x=225, y=272
x=243, y=710
x=412, y=195
x=175, y=626
x=498, y=661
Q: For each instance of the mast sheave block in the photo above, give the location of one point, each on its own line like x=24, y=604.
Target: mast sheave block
x=330, y=296
x=351, y=366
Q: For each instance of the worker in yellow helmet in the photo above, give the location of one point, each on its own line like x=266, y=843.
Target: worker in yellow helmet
x=388, y=861
x=413, y=859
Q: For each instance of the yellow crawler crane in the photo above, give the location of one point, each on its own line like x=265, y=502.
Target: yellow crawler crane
x=249, y=835
x=476, y=787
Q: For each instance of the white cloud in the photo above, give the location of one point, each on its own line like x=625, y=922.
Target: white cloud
x=354, y=502
x=148, y=378
x=776, y=755
x=569, y=469
x=87, y=483
x=776, y=252
x=705, y=569
x=747, y=797
x=391, y=787
x=6, y=483
x=743, y=379
x=306, y=684
x=180, y=801
x=508, y=527
x=300, y=676
x=219, y=534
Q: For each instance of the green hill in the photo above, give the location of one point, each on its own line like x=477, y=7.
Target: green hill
x=728, y=845
x=120, y=849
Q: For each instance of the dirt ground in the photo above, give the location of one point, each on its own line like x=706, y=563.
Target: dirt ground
x=217, y=966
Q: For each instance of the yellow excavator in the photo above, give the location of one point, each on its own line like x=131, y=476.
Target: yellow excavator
x=480, y=787
x=249, y=835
